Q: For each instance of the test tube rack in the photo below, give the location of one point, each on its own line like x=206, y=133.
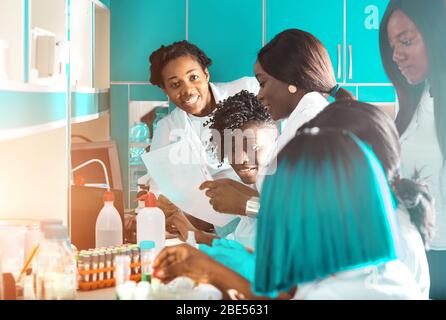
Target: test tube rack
x=105, y=283
x=95, y=273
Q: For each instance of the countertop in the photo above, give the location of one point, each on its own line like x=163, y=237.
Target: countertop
x=109, y=293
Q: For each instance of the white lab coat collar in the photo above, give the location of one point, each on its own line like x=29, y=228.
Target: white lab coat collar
x=308, y=107
x=216, y=92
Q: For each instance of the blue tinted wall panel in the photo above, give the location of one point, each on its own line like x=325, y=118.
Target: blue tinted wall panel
x=229, y=32
x=139, y=27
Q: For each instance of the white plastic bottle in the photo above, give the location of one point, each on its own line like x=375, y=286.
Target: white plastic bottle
x=150, y=223
x=108, y=224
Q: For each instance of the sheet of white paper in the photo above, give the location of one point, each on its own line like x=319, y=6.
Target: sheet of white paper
x=178, y=172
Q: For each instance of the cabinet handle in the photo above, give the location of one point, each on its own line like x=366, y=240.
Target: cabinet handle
x=350, y=67
x=339, y=61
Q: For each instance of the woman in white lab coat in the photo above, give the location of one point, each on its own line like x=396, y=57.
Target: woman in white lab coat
x=326, y=226
x=296, y=77
x=413, y=51
x=244, y=132
x=413, y=201
x=181, y=71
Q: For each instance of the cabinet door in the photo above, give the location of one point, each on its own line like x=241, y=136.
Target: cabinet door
x=229, y=32
x=139, y=27
x=363, y=57
x=322, y=18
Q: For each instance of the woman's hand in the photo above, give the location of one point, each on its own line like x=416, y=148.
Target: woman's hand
x=227, y=196
x=183, y=260
x=167, y=206
x=179, y=225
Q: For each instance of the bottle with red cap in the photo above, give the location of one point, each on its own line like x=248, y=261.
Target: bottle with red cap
x=108, y=224
x=150, y=222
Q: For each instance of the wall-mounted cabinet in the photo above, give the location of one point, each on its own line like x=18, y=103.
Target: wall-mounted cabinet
x=101, y=61
x=326, y=24
x=81, y=39
x=33, y=109
x=12, y=41
x=349, y=29
x=229, y=32
x=47, y=42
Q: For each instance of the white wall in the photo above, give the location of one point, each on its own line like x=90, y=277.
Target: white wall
x=11, y=31
x=33, y=178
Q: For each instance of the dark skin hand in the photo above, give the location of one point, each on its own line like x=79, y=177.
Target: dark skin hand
x=178, y=224
x=228, y=196
x=184, y=260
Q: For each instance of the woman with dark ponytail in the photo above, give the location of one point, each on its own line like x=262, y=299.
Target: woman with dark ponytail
x=414, y=203
x=296, y=78
x=413, y=51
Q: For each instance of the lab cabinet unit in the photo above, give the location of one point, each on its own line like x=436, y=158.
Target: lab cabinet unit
x=81, y=40
x=47, y=42
x=229, y=32
x=363, y=59
x=322, y=18
x=139, y=27
x=12, y=40
x=33, y=109
x=349, y=29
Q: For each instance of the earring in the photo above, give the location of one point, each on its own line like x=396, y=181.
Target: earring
x=292, y=89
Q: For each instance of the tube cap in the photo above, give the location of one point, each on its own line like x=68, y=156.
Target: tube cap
x=49, y=222
x=147, y=245
x=109, y=196
x=149, y=199
x=56, y=232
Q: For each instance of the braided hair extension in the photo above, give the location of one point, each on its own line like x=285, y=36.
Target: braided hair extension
x=159, y=58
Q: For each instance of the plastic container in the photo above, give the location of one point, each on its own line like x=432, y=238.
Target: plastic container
x=12, y=246
x=191, y=239
x=32, y=236
x=147, y=257
x=56, y=266
x=139, y=139
x=108, y=224
x=150, y=223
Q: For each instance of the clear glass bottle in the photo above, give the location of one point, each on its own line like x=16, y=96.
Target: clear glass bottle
x=56, y=266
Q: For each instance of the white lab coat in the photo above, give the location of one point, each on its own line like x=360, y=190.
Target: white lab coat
x=308, y=107
x=179, y=124
x=178, y=121
x=412, y=252
x=246, y=230
x=388, y=281
x=420, y=150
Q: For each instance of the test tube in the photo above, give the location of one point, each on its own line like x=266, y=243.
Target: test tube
x=86, y=262
x=108, y=263
x=94, y=266
x=147, y=257
x=101, y=255
x=135, y=258
x=115, y=253
x=122, y=269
